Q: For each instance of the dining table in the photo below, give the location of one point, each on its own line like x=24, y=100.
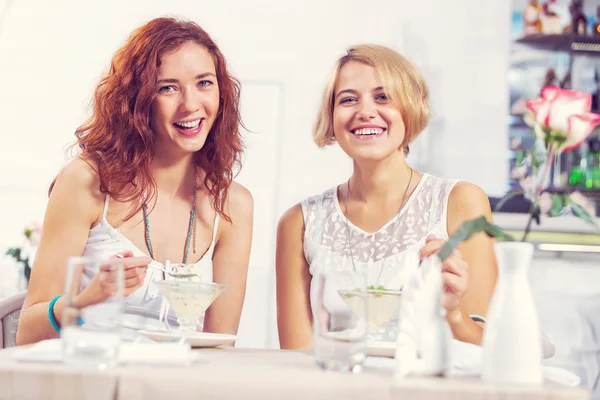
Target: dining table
x=245, y=373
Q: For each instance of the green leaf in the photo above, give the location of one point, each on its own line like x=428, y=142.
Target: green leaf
x=27, y=271
x=558, y=205
x=580, y=212
x=15, y=253
x=468, y=229
x=507, y=197
x=380, y=287
x=567, y=200
x=521, y=156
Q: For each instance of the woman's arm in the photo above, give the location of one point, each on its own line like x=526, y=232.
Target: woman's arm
x=294, y=317
x=466, y=202
x=75, y=204
x=230, y=262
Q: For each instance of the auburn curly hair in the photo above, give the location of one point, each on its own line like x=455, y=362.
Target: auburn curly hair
x=118, y=136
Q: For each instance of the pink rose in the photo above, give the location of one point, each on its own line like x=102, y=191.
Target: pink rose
x=566, y=112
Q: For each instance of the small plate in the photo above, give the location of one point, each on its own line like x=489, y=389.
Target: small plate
x=381, y=349
x=195, y=339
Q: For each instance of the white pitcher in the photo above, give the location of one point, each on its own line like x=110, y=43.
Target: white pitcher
x=511, y=341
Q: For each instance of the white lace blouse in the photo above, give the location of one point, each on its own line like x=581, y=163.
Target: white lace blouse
x=329, y=236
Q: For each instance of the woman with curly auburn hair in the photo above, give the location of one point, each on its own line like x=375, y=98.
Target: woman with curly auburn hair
x=153, y=182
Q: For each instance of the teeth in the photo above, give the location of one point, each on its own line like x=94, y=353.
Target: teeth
x=190, y=124
x=368, y=131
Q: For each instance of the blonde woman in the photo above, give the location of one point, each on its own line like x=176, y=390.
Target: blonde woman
x=375, y=104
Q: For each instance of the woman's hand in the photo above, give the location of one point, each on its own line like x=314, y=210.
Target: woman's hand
x=134, y=271
x=454, y=271
x=101, y=287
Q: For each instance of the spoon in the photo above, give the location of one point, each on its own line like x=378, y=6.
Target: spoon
x=173, y=274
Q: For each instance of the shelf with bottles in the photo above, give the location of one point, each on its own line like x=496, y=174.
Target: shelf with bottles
x=560, y=26
x=554, y=43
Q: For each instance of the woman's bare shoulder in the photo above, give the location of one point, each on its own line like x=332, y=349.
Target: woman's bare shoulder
x=80, y=172
x=292, y=218
x=80, y=178
x=239, y=202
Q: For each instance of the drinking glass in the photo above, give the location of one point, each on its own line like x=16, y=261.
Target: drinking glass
x=339, y=305
x=383, y=305
x=91, y=319
x=189, y=299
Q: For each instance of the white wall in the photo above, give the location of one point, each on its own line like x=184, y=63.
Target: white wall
x=53, y=52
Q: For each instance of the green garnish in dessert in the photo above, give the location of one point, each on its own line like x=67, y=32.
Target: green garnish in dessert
x=378, y=288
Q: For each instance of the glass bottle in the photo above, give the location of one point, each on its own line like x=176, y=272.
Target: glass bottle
x=596, y=31
x=592, y=180
x=578, y=20
x=578, y=171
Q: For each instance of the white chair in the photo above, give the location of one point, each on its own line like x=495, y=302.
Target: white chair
x=10, y=310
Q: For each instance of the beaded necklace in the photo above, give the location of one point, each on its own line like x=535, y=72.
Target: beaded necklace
x=191, y=237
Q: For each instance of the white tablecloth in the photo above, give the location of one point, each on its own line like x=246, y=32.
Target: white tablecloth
x=247, y=374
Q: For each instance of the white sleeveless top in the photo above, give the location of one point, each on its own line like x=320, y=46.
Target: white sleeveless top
x=329, y=235
x=142, y=307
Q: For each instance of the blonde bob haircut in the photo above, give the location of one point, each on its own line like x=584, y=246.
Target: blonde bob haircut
x=401, y=80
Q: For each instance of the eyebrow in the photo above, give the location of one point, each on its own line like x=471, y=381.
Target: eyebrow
x=200, y=76
x=378, y=88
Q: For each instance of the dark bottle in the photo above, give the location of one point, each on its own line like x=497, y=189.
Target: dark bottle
x=596, y=93
x=596, y=31
x=578, y=20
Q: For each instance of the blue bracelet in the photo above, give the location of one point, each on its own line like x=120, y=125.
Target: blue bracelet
x=51, y=314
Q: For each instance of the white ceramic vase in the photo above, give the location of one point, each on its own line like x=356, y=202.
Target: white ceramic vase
x=511, y=341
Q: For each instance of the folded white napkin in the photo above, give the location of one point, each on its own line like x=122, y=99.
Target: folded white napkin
x=175, y=354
